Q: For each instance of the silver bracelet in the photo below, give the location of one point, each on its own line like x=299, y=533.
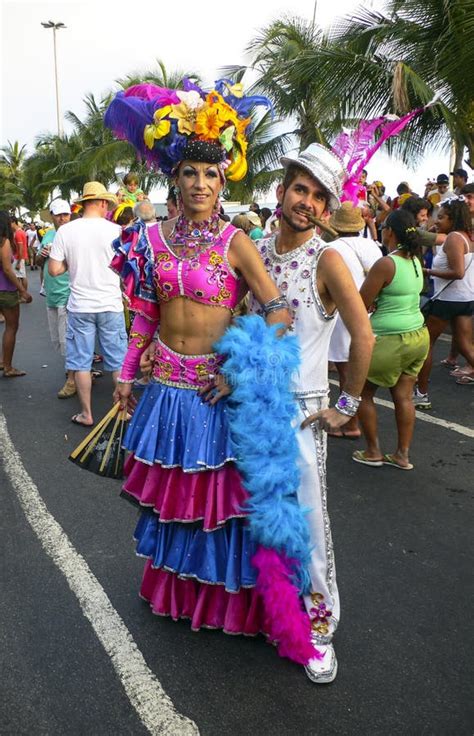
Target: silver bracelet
x=123, y=380
x=274, y=305
x=347, y=404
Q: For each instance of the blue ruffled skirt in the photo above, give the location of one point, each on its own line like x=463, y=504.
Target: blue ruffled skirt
x=172, y=427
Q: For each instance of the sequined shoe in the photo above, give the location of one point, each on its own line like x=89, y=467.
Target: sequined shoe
x=323, y=670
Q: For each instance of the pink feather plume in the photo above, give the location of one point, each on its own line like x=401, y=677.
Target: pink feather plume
x=286, y=622
x=357, y=147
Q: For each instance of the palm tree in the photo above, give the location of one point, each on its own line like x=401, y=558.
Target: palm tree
x=18, y=191
x=375, y=63
x=273, y=52
x=13, y=156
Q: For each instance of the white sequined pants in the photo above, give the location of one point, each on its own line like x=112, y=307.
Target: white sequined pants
x=312, y=494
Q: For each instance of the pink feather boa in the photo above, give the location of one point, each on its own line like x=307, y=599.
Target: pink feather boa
x=286, y=623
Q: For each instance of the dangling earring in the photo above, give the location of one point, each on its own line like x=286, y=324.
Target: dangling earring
x=179, y=200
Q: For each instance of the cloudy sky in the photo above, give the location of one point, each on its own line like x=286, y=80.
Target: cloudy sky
x=106, y=40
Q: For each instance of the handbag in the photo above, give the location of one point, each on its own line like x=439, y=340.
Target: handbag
x=427, y=308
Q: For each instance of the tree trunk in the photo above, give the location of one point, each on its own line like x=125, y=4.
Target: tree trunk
x=458, y=155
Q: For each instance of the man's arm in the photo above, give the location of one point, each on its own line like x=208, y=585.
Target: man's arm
x=57, y=264
x=337, y=285
x=340, y=287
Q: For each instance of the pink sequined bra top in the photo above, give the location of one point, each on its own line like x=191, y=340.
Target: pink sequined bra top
x=205, y=277
x=152, y=273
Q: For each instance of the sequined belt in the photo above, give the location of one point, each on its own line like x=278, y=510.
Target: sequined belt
x=312, y=394
x=183, y=371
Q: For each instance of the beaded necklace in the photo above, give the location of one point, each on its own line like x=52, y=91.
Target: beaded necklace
x=193, y=238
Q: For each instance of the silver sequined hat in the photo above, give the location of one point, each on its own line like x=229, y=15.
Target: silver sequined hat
x=323, y=165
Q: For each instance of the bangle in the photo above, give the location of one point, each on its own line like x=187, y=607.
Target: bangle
x=347, y=404
x=124, y=380
x=274, y=305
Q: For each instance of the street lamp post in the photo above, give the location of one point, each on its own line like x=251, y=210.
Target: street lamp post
x=56, y=27
x=315, y=10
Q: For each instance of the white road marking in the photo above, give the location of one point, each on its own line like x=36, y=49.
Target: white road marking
x=459, y=428
x=153, y=706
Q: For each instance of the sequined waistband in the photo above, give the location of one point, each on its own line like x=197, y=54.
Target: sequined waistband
x=315, y=394
x=183, y=371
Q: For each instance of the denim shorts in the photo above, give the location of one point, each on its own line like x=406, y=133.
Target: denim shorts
x=81, y=332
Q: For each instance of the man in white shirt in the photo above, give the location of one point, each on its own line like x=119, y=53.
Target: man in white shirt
x=95, y=309
x=33, y=243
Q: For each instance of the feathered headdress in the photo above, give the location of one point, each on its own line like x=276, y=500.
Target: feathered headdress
x=167, y=126
x=355, y=148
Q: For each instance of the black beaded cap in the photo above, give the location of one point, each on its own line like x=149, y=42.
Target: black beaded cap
x=204, y=152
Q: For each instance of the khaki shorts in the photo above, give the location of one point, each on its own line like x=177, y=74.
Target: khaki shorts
x=397, y=354
x=9, y=299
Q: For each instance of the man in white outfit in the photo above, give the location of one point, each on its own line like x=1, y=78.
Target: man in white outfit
x=317, y=285
x=359, y=254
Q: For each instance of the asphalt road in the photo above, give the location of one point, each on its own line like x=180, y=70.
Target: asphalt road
x=404, y=561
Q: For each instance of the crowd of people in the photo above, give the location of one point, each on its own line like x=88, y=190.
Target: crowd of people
x=367, y=284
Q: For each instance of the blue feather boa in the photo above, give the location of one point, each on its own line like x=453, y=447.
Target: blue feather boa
x=258, y=365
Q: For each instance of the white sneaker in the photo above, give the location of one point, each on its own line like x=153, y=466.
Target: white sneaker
x=42, y=291
x=325, y=669
x=421, y=401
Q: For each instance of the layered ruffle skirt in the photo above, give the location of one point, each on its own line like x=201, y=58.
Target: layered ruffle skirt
x=192, y=529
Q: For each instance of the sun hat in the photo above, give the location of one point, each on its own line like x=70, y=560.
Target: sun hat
x=324, y=166
x=253, y=218
x=60, y=207
x=347, y=218
x=95, y=190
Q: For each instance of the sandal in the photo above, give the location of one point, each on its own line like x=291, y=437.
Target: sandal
x=449, y=363
x=465, y=380
x=13, y=373
x=390, y=460
x=75, y=420
x=461, y=372
x=359, y=456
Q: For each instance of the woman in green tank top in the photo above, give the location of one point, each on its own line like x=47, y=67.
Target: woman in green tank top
x=393, y=285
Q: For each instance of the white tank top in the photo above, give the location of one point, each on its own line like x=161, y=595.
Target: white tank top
x=295, y=275
x=461, y=290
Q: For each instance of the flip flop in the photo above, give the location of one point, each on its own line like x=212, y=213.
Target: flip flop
x=449, y=364
x=359, y=457
x=390, y=460
x=461, y=372
x=465, y=380
x=353, y=434
x=13, y=373
x=75, y=420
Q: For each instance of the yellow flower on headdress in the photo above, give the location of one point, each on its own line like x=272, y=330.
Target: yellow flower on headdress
x=208, y=124
x=236, y=89
x=186, y=117
x=159, y=129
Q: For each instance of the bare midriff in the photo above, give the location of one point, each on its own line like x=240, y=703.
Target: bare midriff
x=191, y=328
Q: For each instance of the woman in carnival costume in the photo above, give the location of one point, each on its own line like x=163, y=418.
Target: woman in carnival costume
x=225, y=540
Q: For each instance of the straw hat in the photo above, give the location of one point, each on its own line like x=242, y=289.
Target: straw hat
x=253, y=218
x=95, y=190
x=324, y=166
x=347, y=219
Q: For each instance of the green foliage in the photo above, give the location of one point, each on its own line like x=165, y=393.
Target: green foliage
x=372, y=63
